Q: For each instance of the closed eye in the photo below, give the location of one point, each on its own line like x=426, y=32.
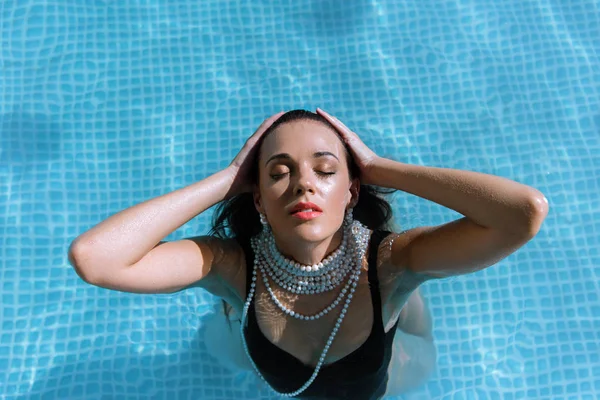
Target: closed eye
x=277, y=176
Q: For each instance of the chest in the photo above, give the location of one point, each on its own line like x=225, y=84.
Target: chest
x=305, y=340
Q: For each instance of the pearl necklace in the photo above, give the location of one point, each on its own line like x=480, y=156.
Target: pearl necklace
x=355, y=234
x=306, y=279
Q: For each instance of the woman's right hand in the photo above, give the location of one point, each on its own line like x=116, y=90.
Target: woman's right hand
x=241, y=166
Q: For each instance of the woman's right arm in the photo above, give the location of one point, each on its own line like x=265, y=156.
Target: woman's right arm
x=125, y=252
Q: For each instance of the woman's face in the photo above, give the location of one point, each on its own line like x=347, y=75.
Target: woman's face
x=304, y=161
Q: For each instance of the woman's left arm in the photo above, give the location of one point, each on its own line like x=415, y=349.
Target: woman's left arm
x=490, y=201
x=500, y=215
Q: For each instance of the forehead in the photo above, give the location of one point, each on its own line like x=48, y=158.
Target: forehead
x=298, y=136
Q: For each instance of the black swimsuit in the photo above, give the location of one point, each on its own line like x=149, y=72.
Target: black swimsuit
x=361, y=374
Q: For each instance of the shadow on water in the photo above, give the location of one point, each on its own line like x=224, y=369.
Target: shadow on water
x=28, y=137
x=334, y=18
x=109, y=369
x=105, y=365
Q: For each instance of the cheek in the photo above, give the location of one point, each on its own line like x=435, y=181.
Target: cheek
x=337, y=197
x=336, y=188
x=271, y=196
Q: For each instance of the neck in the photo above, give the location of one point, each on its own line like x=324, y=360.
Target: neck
x=309, y=253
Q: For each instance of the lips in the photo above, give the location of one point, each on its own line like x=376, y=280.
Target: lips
x=305, y=210
x=305, y=206
x=306, y=215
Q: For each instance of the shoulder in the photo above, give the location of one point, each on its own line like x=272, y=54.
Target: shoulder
x=392, y=261
x=393, y=245
x=228, y=267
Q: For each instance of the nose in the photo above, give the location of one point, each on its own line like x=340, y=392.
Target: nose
x=304, y=182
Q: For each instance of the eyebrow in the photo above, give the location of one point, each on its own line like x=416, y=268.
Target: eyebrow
x=286, y=156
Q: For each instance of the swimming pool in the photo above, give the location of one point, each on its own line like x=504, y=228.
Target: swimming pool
x=103, y=106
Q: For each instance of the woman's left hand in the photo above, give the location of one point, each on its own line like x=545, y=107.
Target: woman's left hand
x=364, y=157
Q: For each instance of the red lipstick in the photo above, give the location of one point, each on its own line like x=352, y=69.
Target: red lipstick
x=306, y=210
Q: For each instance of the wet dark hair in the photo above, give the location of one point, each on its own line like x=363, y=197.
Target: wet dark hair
x=237, y=217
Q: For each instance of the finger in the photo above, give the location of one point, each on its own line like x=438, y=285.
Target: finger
x=268, y=122
x=337, y=123
x=329, y=116
x=326, y=114
x=276, y=116
x=332, y=119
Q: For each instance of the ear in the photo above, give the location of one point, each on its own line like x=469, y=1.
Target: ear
x=354, y=192
x=257, y=199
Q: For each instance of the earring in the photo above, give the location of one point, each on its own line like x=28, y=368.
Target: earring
x=348, y=218
x=263, y=221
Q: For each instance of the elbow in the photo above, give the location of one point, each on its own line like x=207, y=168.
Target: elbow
x=76, y=257
x=537, y=212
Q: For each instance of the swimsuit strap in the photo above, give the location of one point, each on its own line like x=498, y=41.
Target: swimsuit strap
x=376, y=237
x=249, y=254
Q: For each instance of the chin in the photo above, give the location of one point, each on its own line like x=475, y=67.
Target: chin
x=310, y=232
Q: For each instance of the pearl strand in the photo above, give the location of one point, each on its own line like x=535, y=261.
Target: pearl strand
x=348, y=258
x=316, y=316
x=304, y=278
x=361, y=237
x=319, y=280
x=298, y=269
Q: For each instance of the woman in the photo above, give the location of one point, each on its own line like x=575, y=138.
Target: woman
x=319, y=279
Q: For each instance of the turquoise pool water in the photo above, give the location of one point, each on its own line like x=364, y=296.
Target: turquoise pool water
x=103, y=106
